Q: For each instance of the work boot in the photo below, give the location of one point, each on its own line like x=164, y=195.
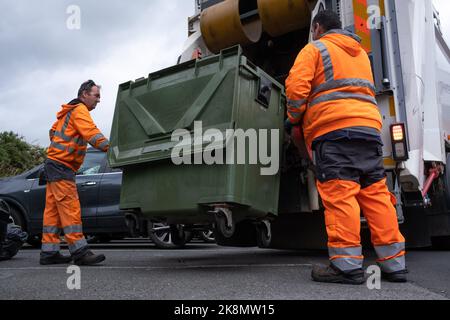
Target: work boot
x=331, y=274
x=89, y=259
x=398, y=276
x=57, y=258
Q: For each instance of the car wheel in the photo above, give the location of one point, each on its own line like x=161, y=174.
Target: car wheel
x=161, y=236
x=17, y=218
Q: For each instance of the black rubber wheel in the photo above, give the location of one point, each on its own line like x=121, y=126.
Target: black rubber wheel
x=263, y=236
x=223, y=228
x=178, y=236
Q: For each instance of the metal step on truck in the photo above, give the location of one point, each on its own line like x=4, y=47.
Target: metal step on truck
x=202, y=143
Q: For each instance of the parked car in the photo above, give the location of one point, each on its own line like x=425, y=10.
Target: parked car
x=99, y=192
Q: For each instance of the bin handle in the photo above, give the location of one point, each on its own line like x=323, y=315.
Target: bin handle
x=251, y=70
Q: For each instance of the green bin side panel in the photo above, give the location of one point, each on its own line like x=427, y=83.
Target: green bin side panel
x=221, y=92
x=167, y=190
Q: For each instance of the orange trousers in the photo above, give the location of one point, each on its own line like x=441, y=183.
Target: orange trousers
x=62, y=213
x=343, y=201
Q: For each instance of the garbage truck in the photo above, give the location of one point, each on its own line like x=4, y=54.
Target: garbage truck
x=203, y=144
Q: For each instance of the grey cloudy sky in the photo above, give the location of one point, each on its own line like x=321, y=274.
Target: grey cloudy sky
x=42, y=62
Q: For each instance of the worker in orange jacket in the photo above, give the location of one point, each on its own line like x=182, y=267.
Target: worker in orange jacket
x=69, y=136
x=331, y=94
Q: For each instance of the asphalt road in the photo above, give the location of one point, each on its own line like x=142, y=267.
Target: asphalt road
x=137, y=270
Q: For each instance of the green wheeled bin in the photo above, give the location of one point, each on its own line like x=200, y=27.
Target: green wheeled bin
x=177, y=107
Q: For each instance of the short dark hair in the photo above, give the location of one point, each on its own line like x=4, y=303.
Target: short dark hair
x=87, y=86
x=328, y=20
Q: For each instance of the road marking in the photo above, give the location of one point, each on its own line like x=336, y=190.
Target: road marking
x=219, y=266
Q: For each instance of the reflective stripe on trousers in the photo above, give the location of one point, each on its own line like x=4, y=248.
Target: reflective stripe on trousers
x=391, y=258
x=50, y=247
x=62, y=208
x=346, y=259
x=347, y=264
x=51, y=230
x=80, y=244
x=73, y=229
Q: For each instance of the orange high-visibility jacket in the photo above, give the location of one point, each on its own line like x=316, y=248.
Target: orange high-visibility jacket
x=70, y=135
x=331, y=87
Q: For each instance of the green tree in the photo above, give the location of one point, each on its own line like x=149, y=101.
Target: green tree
x=18, y=156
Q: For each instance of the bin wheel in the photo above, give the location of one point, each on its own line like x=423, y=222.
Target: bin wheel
x=224, y=223
x=178, y=235
x=263, y=234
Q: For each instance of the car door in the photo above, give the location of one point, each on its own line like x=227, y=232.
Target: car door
x=35, y=202
x=109, y=216
x=87, y=179
x=88, y=184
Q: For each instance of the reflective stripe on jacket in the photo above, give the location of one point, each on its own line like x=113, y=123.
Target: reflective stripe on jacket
x=331, y=87
x=70, y=135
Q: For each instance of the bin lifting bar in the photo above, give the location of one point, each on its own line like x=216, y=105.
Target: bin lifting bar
x=434, y=173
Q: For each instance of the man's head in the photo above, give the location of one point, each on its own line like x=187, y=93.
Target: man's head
x=89, y=94
x=325, y=21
